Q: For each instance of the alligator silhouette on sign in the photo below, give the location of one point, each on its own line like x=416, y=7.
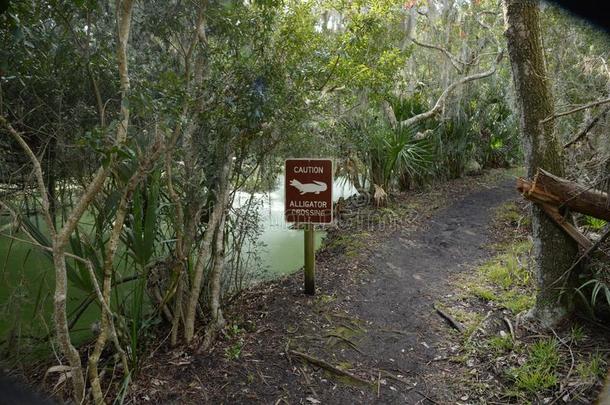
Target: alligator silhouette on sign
x=316, y=187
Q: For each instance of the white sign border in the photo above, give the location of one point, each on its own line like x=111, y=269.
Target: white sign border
x=332, y=191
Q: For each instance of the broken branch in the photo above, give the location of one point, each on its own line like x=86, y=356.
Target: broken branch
x=452, y=322
x=329, y=367
x=555, y=191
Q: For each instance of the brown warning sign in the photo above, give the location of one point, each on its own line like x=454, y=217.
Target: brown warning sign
x=309, y=191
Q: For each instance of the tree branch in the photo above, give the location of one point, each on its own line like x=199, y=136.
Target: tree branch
x=46, y=212
x=587, y=128
x=577, y=109
x=440, y=103
x=454, y=60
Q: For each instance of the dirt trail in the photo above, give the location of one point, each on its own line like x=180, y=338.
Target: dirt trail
x=373, y=316
x=411, y=273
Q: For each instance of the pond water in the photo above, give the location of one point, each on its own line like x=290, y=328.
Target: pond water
x=282, y=247
x=27, y=282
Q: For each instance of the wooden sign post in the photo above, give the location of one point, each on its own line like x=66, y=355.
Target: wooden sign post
x=309, y=200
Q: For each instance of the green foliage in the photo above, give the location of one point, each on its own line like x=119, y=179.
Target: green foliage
x=369, y=48
x=482, y=292
x=505, y=279
x=595, y=224
x=454, y=148
x=409, y=106
x=143, y=226
x=391, y=156
x=397, y=153
x=497, y=140
x=506, y=272
x=592, y=368
x=516, y=302
x=591, y=290
x=484, y=131
x=538, y=372
x=233, y=352
x=501, y=344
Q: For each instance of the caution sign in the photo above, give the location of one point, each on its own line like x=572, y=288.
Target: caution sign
x=309, y=191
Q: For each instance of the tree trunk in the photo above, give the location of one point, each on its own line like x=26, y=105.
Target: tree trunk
x=217, y=215
x=61, y=321
x=216, y=276
x=554, y=250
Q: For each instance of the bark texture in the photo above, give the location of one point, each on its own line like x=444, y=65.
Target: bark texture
x=554, y=250
x=205, y=251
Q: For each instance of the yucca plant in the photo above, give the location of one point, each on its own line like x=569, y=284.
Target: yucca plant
x=390, y=155
x=411, y=159
x=591, y=291
x=140, y=236
x=77, y=276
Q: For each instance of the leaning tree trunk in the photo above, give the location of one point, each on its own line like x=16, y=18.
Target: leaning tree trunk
x=554, y=251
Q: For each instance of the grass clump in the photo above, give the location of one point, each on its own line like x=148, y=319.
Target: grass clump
x=516, y=301
x=506, y=271
x=510, y=213
x=501, y=344
x=534, y=380
x=592, y=368
x=538, y=372
x=506, y=279
x=484, y=293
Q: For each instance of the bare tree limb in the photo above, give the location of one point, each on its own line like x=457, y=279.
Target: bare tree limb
x=577, y=109
x=216, y=218
x=440, y=103
x=457, y=64
x=329, y=367
x=42, y=188
x=124, y=10
x=388, y=111
x=587, y=128
x=107, y=324
x=452, y=322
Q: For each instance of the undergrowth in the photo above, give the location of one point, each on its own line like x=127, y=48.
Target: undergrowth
x=518, y=363
x=506, y=279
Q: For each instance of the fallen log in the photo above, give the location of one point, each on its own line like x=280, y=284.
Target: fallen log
x=558, y=192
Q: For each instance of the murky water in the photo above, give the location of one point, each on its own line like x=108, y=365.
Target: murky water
x=27, y=279
x=282, y=250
